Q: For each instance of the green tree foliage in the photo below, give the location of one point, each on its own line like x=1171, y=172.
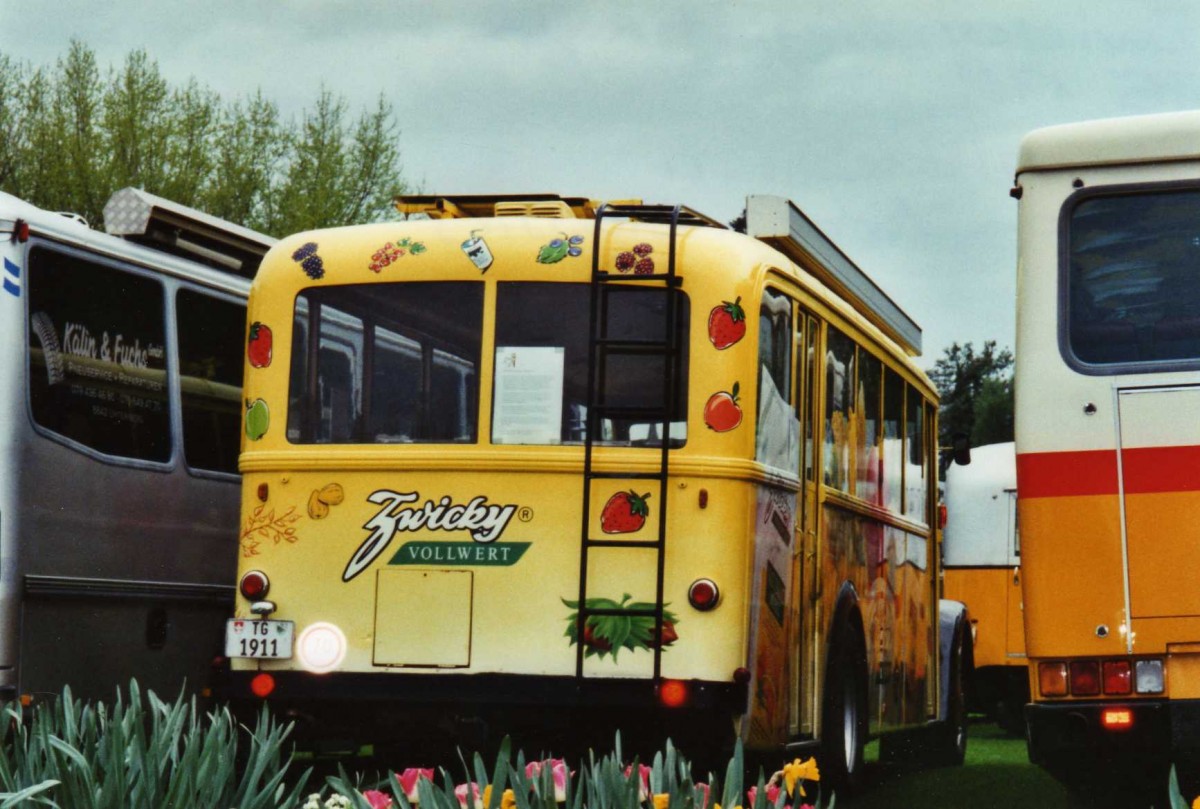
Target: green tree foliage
x=976, y=393
x=71, y=136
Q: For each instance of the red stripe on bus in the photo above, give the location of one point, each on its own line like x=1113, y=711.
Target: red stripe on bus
x=1147, y=470
x=1066, y=474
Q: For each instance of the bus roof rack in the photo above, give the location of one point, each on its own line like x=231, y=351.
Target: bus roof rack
x=158, y=223
x=779, y=223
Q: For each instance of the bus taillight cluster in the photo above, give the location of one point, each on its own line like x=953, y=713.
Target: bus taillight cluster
x=1092, y=678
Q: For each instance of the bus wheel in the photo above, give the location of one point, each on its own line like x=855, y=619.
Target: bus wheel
x=844, y=724
x=950, y=742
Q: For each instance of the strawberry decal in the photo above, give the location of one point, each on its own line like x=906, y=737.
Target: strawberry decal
x=258, y=345
x=721, y=412
x=608, y=634
x=624, y=513
x=726, y=324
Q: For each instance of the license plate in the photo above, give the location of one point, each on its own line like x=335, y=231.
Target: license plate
x=260, y=638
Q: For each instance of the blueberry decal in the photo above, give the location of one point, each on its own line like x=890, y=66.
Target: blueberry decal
x=310, y=262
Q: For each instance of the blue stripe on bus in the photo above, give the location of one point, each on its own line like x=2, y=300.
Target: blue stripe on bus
x=12, y=269
x=12, y=288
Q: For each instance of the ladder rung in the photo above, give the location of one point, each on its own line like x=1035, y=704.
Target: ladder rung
x=623, y=543
x=604, y=275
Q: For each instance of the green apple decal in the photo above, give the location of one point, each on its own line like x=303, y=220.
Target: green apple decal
x=258, y=419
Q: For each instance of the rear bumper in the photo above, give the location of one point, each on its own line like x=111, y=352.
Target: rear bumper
x=1067, y=735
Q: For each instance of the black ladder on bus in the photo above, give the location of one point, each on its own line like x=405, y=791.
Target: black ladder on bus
x=603, y=346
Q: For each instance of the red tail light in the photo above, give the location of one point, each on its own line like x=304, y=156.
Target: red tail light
x=703, y=594
x=673, y=693
x=1118, y=677
x=262, y=685
x=254, y=585
x=1085, y=678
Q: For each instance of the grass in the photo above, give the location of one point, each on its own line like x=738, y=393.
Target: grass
x=997, y=773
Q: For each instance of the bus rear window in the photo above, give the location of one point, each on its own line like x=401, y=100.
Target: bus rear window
x=386, y=363
x=1133, y=279
x=540, y=389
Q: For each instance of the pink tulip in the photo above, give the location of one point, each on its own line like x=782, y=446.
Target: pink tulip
x=377, y=799
x=558, y=770
x=408, y=781
x=644, y=787
x=460, y=792
x=772, y=791
x=705, y=793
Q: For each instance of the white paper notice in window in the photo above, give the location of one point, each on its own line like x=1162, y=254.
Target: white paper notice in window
x=528, y=395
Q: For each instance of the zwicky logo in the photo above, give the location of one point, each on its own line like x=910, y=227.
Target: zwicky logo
x=484, y=522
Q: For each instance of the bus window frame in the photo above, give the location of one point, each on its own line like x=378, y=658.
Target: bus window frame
x=1063, y=278
x=177, y=379
x=166, y=286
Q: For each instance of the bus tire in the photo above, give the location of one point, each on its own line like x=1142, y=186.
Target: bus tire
x=844, y=721
x=950, y=737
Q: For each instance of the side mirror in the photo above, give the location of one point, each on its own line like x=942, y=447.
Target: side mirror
x=960, y=444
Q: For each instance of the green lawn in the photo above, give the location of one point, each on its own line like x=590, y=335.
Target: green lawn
x=997, y=773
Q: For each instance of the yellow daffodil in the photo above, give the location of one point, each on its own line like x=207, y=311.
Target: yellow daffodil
x=662, y=801
x=1196, y=803
x=800, y=771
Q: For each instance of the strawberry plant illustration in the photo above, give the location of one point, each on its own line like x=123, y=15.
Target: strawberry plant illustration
x=624, y=513
x=721, y=412
x=258, y=345
x=608, y=634
x=726, y=324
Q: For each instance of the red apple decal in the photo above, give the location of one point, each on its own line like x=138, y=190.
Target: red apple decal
x=726, y=324
x=721, y=412
x=258, y=346
x=624, y=513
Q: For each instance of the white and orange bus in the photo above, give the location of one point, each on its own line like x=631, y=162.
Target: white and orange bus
x=981, y=565
x=1108, y=437
x=546, y=462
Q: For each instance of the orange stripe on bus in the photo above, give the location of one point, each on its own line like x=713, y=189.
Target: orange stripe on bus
x=1147, y=470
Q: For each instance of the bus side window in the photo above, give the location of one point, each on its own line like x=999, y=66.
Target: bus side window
x=916, y=473
x=210, y=379
x=97, y=357
x=867, y=427
x=778, y=435
x=893, y=440
x=839, y=410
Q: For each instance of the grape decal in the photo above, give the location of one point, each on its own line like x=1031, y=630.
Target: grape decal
x=306, y=256
x=638, y=259
x=390, y=253
x=726, y=324
x=721, y=412
x=608, y=634
x=258, y=345
x=558, y=249
x=624, y=513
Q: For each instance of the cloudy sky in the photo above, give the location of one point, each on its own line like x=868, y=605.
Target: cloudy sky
x=894, y=124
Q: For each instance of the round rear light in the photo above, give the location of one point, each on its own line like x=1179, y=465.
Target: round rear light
x=262, y=685
x=673, y=693
x=254, y=585
x=321, y=647
x=703, y=594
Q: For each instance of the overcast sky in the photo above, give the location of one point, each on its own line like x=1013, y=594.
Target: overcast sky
x=894, y=125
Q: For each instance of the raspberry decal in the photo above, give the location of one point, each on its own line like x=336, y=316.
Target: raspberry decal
x=642, y=249
x=625, y=262
x=558, y=249
x=637, y=259
x=390, y=253
x=306, y=256
x=645, y=266
x=726, y=324
x=608, y=634
x=624, y=513
x=721, y=412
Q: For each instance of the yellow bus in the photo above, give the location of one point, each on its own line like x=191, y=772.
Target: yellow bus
x=981, y=561
x=549, y=462
x=1107, y=438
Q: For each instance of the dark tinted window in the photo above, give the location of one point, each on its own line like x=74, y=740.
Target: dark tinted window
x=211, y=332
x=548, y=324
x=839, y=454
x=1133, y=278
x=386, y=363
x=98, y=371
